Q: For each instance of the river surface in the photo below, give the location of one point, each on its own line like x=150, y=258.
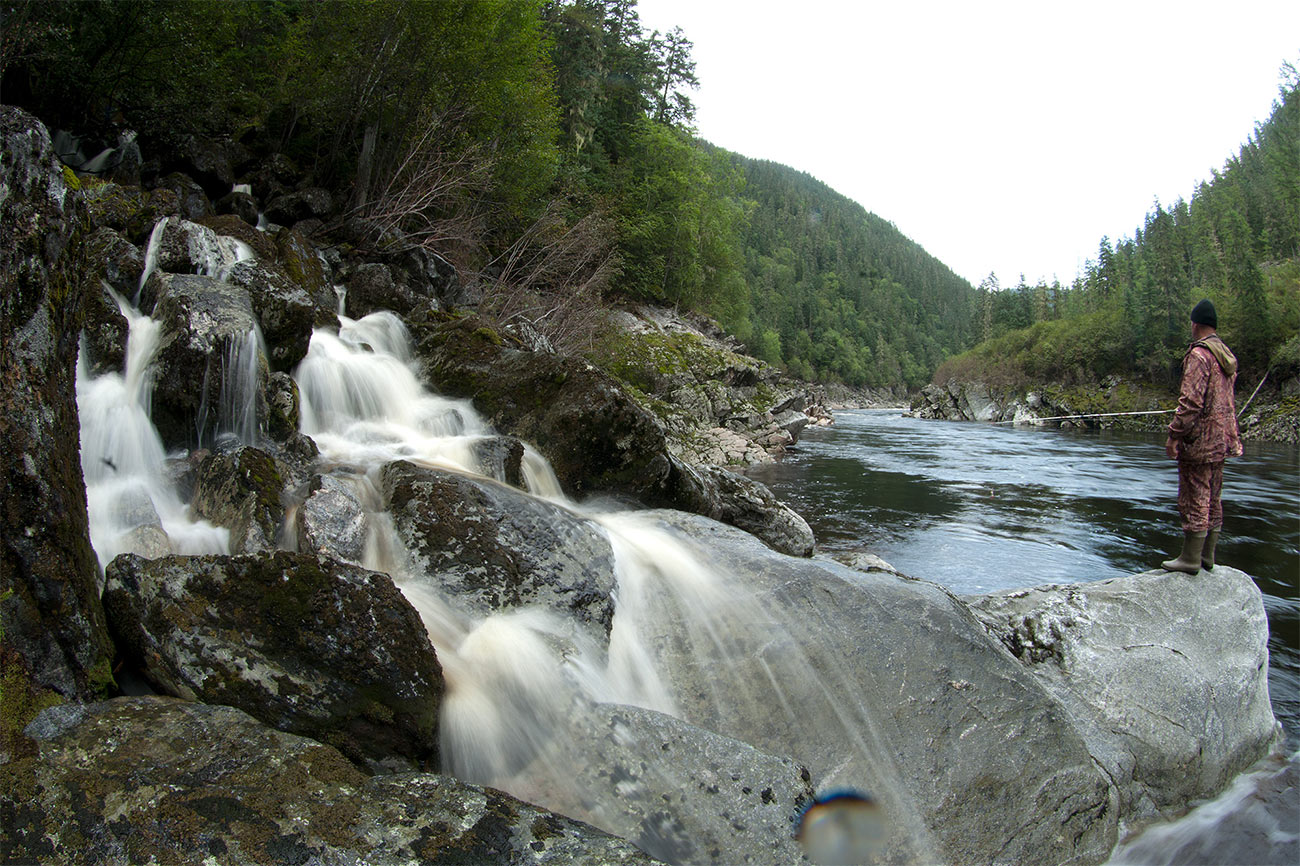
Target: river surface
x=981, y=507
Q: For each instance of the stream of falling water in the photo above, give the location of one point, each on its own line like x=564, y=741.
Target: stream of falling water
x=524, y=687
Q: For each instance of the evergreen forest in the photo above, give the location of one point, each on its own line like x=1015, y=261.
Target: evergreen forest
x=547, y=148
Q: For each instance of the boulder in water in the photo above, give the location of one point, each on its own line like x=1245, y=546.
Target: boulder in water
x=128, y=209
x=285, y=311
x=241, y=489
x=305, y=644
x=496, y=548
x=208, y=331
x=751, y=506
x=158, y=780
x=681, y=793
x=55, y=639
x=331, y=521
x=1165, y=674
x=292, y=207
x=883, y=684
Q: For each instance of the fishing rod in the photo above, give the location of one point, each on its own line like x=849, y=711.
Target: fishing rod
x=1085, y=415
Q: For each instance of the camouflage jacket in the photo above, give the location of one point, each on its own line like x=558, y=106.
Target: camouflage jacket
x=1205, y=424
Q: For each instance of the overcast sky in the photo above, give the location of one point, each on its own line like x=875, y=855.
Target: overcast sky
x=1004, y=137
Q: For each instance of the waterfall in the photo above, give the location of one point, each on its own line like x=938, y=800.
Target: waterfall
x=131, y=503
x=524, y=689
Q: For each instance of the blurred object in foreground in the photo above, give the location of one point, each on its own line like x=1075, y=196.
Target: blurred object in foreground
x=843, y=828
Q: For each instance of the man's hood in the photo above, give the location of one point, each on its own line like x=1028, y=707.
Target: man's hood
x=1221, y=352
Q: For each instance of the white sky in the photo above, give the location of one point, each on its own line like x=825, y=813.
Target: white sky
x=1001, y=136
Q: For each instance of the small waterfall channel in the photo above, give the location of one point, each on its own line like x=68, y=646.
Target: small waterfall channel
x=525, y=688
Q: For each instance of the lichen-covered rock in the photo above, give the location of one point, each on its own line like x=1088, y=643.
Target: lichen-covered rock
x=154, y=780
x=239, y=204
x=496, y=548
x=193, y=202
x=127, y=209
x=286, y=311
x=230, y=225
x=331, y=521
x=117, y=268
x=1171, y=698
x=204, y=322
x=186, y=247
x=53, y=623
x=681, y=793
x=242, y=489
x=300, y=260
x=751, y=506
x=305, y=644
x=597, y=439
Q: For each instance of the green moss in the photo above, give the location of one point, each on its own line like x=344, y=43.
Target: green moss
x=71, y=179
x=21, y=699
x=491, y=336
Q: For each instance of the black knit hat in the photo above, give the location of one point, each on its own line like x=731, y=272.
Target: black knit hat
x=1203, y=314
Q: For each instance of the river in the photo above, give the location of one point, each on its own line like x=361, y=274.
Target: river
x=982, y=507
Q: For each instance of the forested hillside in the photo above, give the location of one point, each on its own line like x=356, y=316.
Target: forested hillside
x=546, y=147
x=1237, y=242
x=840, y=293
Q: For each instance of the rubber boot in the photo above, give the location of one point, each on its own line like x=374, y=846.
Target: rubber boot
x=1207, y=554
x=1189, y=560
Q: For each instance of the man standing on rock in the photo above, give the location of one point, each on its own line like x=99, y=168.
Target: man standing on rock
x=1202, y=435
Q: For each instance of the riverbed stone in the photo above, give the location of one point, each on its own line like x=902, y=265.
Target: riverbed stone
x=332, y=521
x=140, y=780
x=887, y=685
x=496, y=548
x=1166, y=674
x=242, y=489
x=200, y=319
x=306, y=644
x=682, y=793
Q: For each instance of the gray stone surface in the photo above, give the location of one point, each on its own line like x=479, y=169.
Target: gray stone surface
x=887, y=685
x=494, y=548
x=155, y=780
x=307, y=645
x=684, y=794
x=49, y=603
x=1166, y=674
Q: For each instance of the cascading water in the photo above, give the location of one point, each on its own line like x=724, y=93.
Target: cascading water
x=132, y=504
x=524, y=688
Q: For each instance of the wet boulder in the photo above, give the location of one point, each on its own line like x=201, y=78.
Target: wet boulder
x=194, y=203
x=596, y=437
x=186, y=247
x=305, y=644
x=292, y=207
x=117, y=268
x=300, y=259
x=331, y=520
x=208, y=332
x=285, y=311
x=1166, y=673
x=683, y=794
x=128, y=209
x=262, y=245
x=155, y=780
x=242, y=489
x=883, y=684
x=239, y=204
x=751, y=506
x=496, y=548
x=55, y=640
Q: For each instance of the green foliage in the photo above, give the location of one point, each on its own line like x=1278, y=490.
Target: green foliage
x=848, y=296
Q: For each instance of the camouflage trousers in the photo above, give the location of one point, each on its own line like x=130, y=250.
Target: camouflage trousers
x=1199, y=486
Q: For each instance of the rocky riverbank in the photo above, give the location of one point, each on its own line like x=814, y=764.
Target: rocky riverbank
x=314, y=690
x=1273, y=416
